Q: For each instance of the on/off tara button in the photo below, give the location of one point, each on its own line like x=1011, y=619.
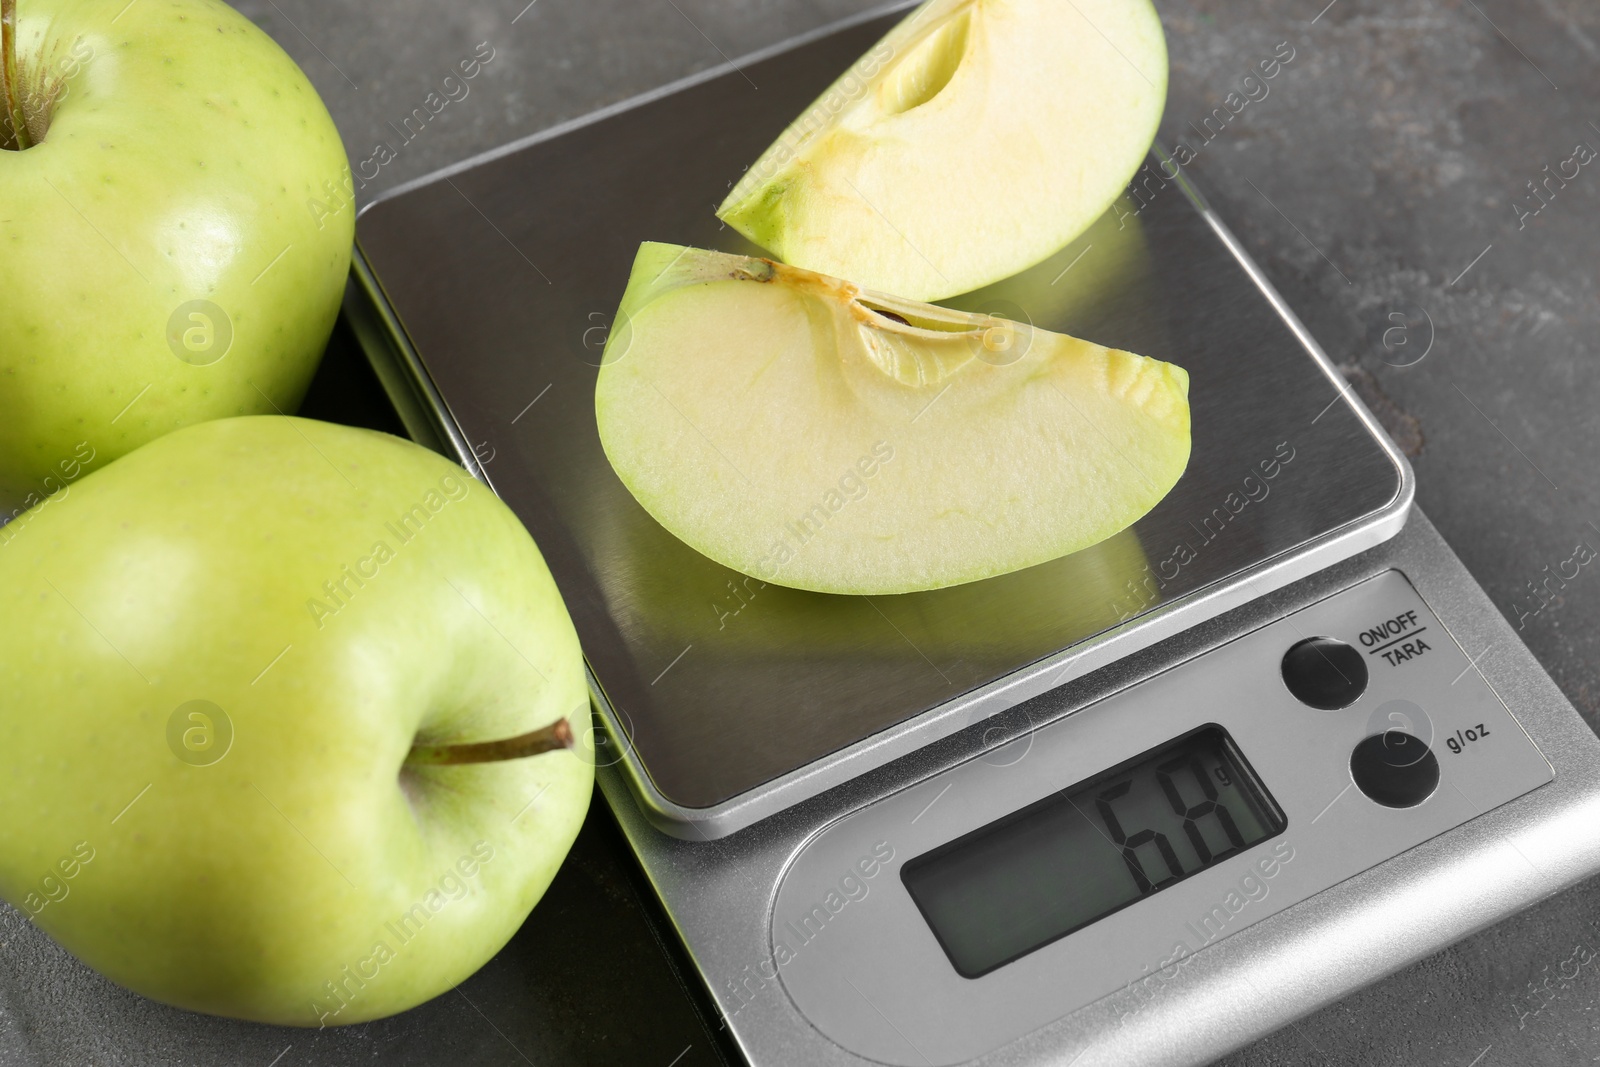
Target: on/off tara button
x=1325, y=673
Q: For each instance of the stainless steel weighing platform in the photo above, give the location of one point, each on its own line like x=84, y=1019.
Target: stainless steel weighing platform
x=1139, y=805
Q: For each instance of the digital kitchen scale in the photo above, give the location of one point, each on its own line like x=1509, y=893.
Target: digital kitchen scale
x=1139, y=805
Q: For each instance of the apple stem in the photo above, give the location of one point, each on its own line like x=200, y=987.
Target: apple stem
x=8, y=74
x=557, y=735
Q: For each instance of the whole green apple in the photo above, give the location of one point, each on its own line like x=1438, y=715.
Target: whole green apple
x=170, y=252
x=236, y=667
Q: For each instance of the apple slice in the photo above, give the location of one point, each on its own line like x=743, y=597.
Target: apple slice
x=971, y=142
x=817, y=435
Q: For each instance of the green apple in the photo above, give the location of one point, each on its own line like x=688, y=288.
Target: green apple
x=812, y=434
x=170, y=253
x=975, y=139
x=238, y=669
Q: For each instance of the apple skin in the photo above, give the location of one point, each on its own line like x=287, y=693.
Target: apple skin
x=184, y=153
x=260, y=884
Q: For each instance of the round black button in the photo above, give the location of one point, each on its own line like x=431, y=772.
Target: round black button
x=1324, y=673
x=1395, y=768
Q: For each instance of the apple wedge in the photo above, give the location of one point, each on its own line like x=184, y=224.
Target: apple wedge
x=971, y=142
x=817, y=435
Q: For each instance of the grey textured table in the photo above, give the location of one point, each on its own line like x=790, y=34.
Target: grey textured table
x=1382, y=182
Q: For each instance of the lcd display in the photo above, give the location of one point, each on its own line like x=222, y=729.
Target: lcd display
x=1021, y=882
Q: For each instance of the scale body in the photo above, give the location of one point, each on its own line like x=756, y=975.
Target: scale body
x=852, y=809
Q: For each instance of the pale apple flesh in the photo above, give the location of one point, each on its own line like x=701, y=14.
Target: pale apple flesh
x=975, y=139
x=167, y=160
x=348, y=601
x=812, y=434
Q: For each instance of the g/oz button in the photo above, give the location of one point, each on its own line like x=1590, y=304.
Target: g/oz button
x=1395, y=768
x=1325, y=673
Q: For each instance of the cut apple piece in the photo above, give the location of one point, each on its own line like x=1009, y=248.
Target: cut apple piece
x=817, y=435
x=975, y=139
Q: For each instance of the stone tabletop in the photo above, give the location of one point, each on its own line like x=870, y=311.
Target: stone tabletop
x=1420, y=180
